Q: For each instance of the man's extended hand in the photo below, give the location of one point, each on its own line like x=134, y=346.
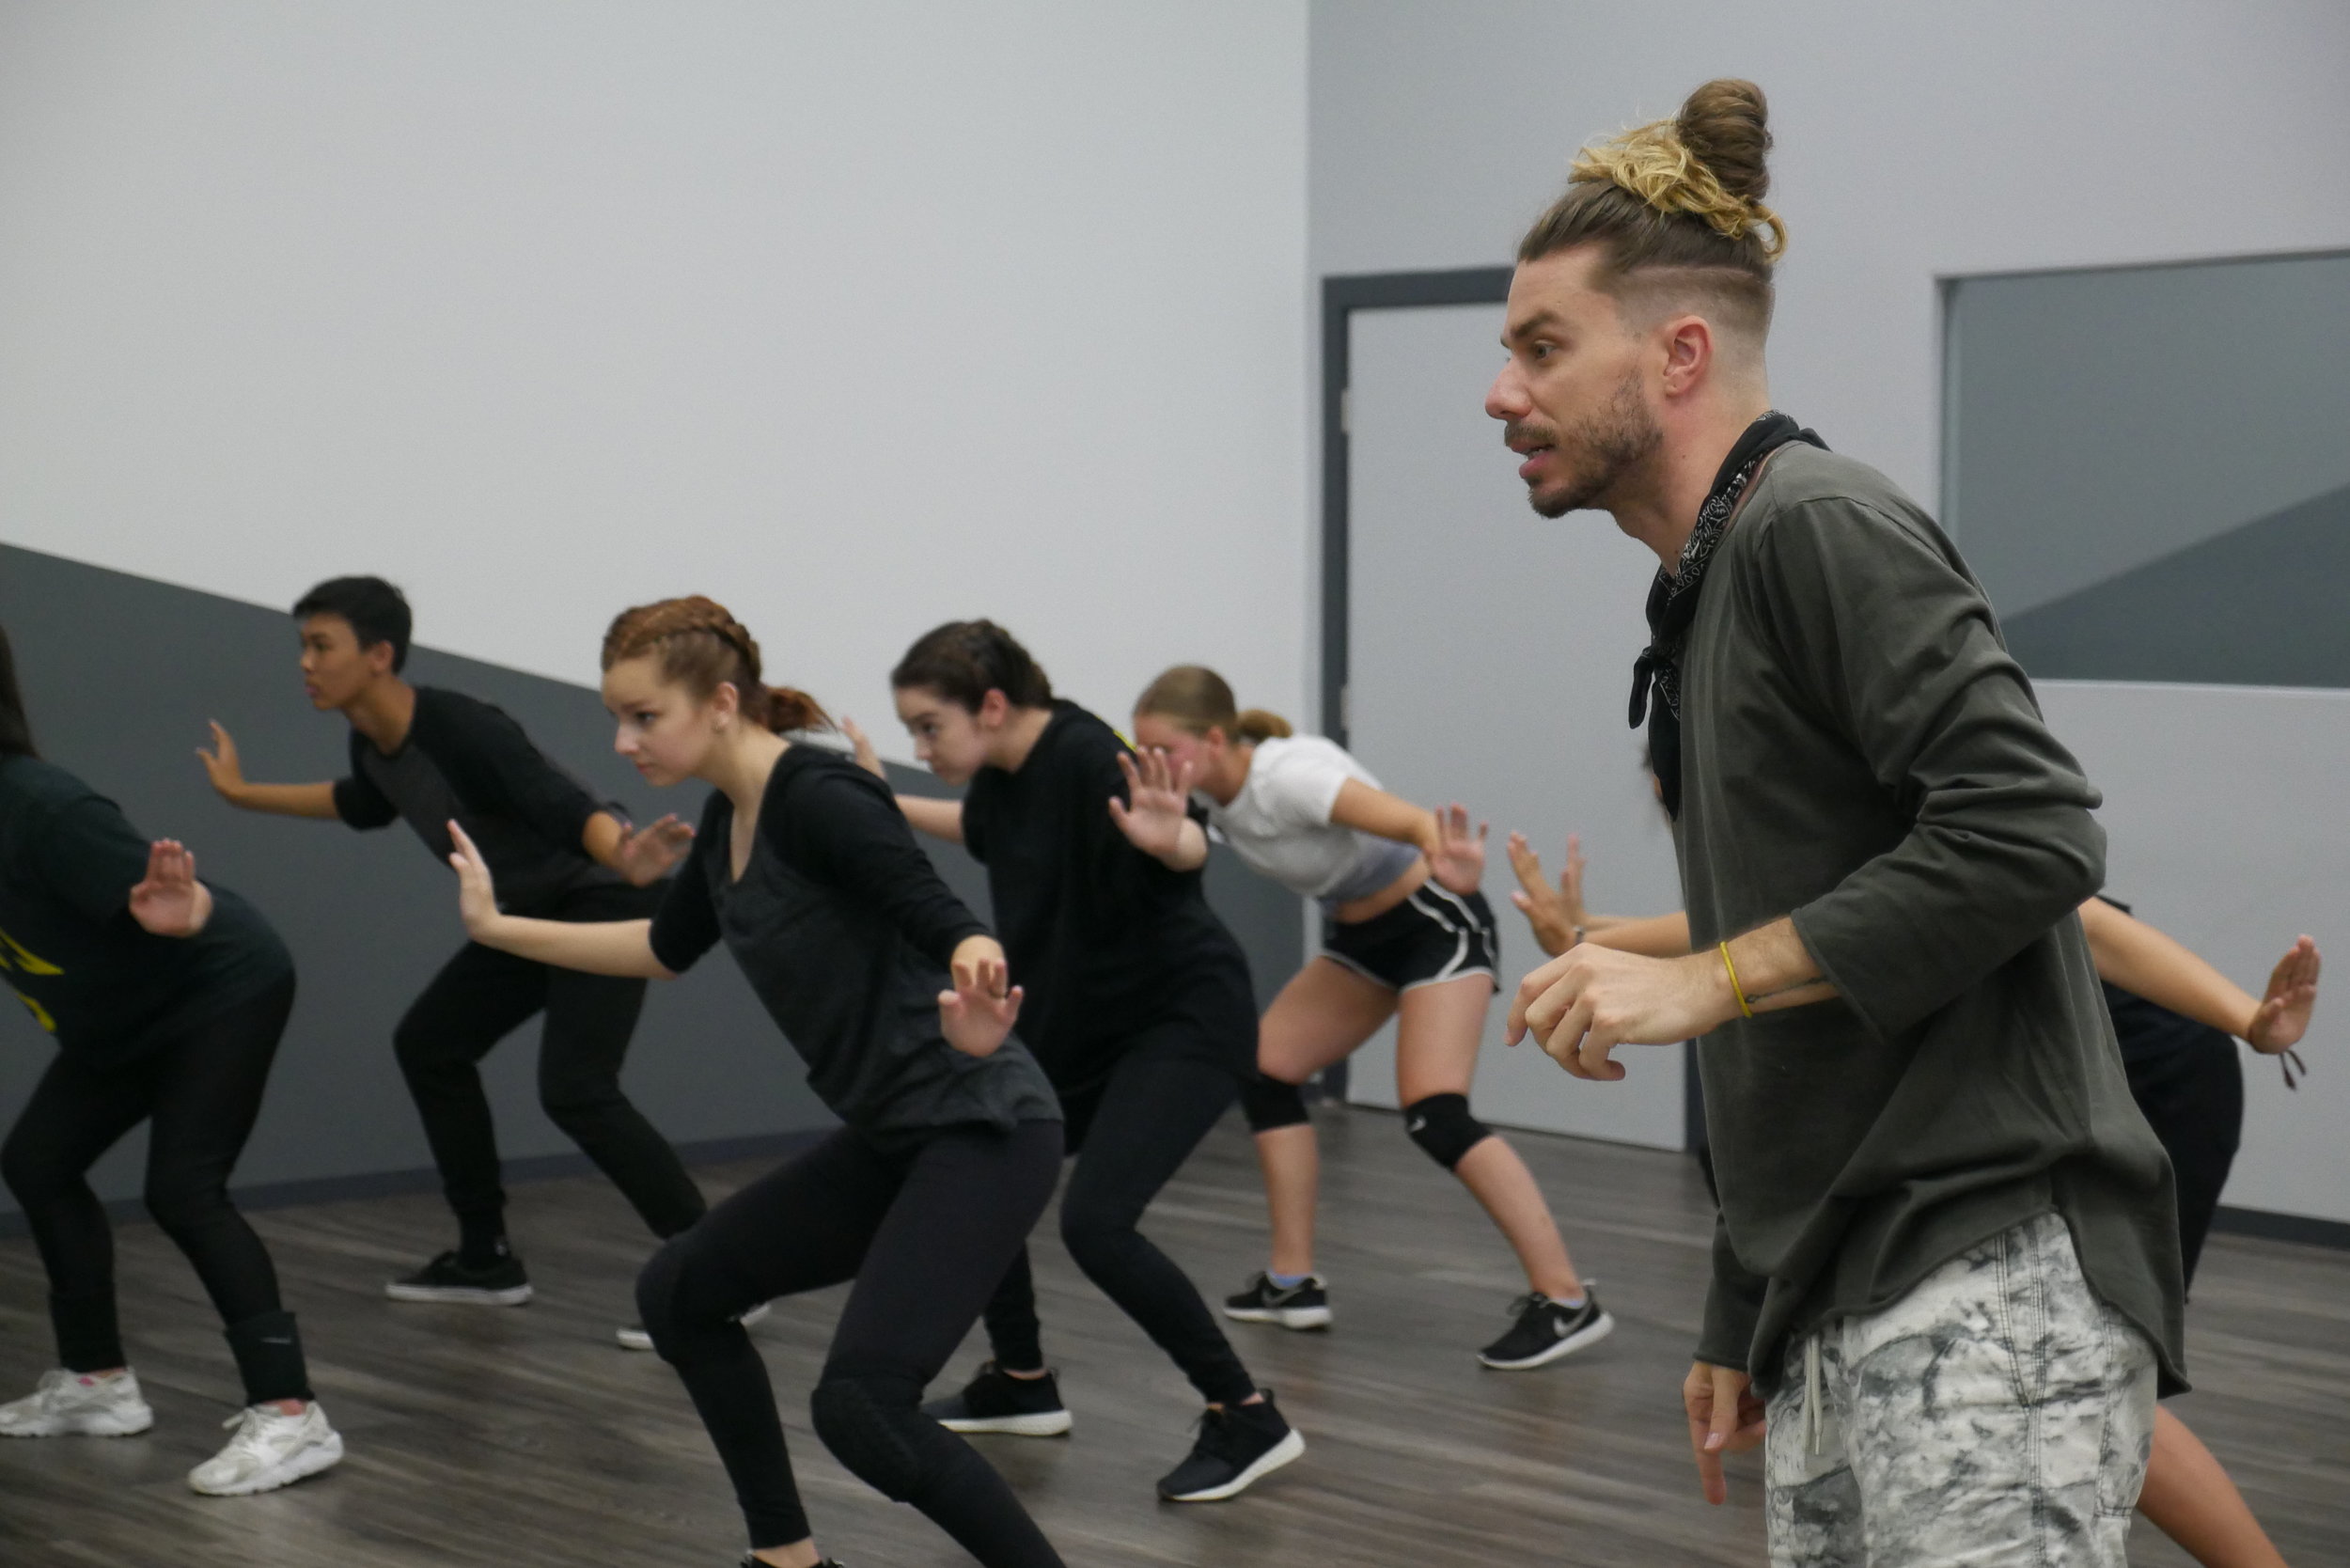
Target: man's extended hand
x=1725, y=1417
x=1583, y=1005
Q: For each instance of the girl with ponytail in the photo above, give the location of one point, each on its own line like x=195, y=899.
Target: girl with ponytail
x=1409, y=937
x=896, y=999
x=1142, y=1014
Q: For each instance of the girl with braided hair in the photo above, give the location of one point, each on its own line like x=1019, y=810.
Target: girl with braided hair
x=428, y=756
x=897, y=998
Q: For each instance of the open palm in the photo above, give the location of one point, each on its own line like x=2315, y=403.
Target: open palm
x=1158, y=805
x=169, y=902
x=2284, y=1012
x=1458, y=860
x=647, y=854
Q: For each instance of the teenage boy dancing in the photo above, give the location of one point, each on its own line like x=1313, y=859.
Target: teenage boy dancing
x=427, y=756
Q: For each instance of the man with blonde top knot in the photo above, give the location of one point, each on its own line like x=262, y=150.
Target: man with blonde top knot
x=1947, y=1261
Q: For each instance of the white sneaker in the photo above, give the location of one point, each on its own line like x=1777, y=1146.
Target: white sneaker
x=270, y=1449
x=632, y=1336
x=77, y=1403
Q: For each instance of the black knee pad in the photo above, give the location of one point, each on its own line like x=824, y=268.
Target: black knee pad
x=1268, y=1102
x=874, y=1427
x=1443, y=1127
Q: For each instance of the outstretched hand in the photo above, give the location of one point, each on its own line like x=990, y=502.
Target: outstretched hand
x=221, y=764
x=1555, y=913
x=1457, y=858
x=477, y=894
x=861, y=750
x=2284, y=1015
x=646, y=854
x=978, y=1014
x=171, y=902
x=1158, y=803
x=1725, y=1417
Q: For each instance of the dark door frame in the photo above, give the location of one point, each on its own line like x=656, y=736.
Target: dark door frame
x=1341, y=296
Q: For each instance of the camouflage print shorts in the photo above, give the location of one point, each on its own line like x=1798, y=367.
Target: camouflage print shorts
x=1997, y=1414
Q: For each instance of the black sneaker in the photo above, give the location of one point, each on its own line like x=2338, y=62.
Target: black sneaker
x=1302, y=1306
x=995, y=1401
x=1545, y=1330
x=750, y=1561
x=445, y=1279
x=1238, y=1445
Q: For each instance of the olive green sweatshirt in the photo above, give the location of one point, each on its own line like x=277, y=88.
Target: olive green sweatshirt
x=1859, y=751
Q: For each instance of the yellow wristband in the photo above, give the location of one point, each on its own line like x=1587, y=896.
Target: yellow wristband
x=1735, y=989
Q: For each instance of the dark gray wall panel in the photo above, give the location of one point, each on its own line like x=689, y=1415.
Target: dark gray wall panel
x=2258, y=606
x=120, y=675
x=2100, y=421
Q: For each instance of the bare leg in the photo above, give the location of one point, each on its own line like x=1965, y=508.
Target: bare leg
x=1290, y=1158
x=1437, y=1042
x=1323, y=1014
x=2189, y=1496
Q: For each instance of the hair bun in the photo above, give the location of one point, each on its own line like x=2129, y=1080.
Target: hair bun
x=1725, y=125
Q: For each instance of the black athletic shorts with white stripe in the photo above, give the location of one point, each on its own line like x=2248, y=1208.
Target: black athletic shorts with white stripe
x=1433, y=935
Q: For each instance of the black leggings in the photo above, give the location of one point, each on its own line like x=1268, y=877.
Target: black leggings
x=202, y=1091
x=924, y=1232
x=480, y=997
x=2193, y=1097
x=1131, y=1133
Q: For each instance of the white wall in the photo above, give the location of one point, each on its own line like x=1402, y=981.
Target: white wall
x=1918, y=142
x=859, y=317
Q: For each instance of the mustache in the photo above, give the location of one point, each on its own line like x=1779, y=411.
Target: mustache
x=1531, y=434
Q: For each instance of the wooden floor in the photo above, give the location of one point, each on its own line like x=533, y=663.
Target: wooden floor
x=524, y=1437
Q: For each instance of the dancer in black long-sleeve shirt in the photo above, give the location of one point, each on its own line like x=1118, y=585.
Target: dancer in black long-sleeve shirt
x=1142, y=1014
x=807, y=873
x=166, y=998
x=428, y=757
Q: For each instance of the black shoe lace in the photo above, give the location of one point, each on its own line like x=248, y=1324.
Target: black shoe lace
x=1528, y=1302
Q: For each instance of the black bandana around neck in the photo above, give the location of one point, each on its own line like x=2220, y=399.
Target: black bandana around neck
x=1672, y=599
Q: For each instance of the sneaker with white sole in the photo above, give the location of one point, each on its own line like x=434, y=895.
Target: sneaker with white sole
x=995, y=1401
x=79, y=1405
x=270, y=1449
x=1546, y=1330
x=448, y=1278
x=1238, y=1446
x=1303, y=1306
x=632, y=1336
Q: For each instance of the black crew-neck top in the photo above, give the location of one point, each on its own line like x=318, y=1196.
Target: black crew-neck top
x=1109, y=941
x=465, y=759
x=107, y=988
x=844, y=930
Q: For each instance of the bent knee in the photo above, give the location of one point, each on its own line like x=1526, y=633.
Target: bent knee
x=1270, y=1102
x=1444, y=1129
x=570, y=1105
x=875, y=1427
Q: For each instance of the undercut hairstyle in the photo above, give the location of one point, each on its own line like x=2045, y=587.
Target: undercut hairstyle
x=1674, y=210
x=1196, y=700
x=16, y=731
x=699, y=645
x=377, y=611
x=964, y=660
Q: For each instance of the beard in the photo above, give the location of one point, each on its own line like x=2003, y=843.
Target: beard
x=1597, y=454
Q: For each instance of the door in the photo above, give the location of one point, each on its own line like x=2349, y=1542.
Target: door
x=1489, y=659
